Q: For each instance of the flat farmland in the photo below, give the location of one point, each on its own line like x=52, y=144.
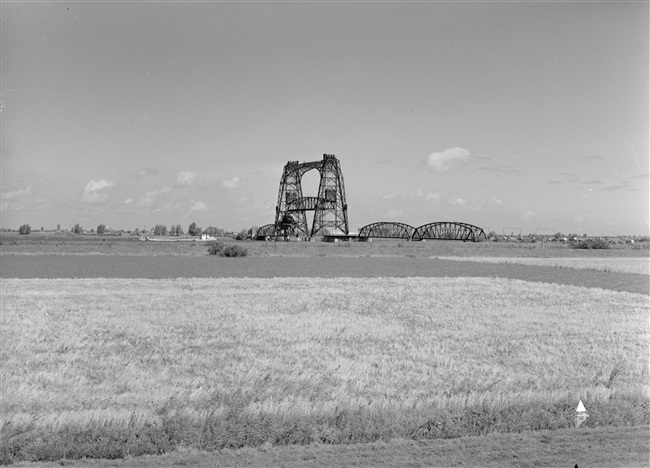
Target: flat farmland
x=639, y=266
x=315, y=354
x=115, y=368
x=67, y=244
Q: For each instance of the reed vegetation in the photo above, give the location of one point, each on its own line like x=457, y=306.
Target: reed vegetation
x=108, y=368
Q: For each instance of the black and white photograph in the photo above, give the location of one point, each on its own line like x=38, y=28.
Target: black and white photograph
x=325, y=233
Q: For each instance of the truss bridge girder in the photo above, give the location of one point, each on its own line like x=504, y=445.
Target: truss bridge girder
x=387, y=230
x=448, y=230
x=442, y=230
x=309, y=204
x=265, y=232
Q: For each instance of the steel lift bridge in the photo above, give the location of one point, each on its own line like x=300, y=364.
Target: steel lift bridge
x=329, y=205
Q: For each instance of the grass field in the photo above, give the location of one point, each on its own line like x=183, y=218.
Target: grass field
x=108, y=368
x=638, y=266
x=607, y=447
x=67, y=244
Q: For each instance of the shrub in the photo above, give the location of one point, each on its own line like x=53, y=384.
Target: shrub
x=215, y=247
x=234, y=251
x=591, y=244
x=218, y=248
x=24, y=229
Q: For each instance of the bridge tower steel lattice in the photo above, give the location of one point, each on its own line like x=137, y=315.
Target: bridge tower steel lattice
x=329, y=206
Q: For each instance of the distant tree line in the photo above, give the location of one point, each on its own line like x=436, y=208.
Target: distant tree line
x=158, y=230
x=195, y=231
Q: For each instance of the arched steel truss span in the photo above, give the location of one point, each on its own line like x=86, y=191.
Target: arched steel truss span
x=266, y=231
x=387, y=230
x=442, y=230
x=446, y=230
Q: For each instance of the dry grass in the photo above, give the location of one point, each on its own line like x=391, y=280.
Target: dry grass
x=108, y=368
x=639, y=266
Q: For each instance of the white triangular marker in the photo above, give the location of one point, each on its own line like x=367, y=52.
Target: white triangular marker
x=581, y=408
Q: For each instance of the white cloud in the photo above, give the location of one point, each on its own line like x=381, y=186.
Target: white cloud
x=494, y=201
x=96, y=191
x=15, y=194
x=428, y=196
x=185, y=179
x=198, y=206
x=457, y=201
x=146, y=171
x=97, y=185
x=128, y=201
x=528, y=215
x=150, y=197
x=388, y=196
x=232, y=183
x=441, y=161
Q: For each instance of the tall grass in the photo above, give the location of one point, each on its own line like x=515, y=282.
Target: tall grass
x=109, y=368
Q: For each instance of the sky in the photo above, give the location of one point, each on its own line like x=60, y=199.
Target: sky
x=527, y=117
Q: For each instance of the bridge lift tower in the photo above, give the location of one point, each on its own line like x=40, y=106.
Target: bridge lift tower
x=329, y=206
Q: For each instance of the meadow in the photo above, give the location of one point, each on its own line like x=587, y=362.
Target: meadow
x=637, y=266
x=114, y=368
x=69, y=244
x=313, y=354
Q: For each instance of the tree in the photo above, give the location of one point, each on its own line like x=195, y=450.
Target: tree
x=160, y=230
x=287, y=224
x=210, y=231
x=172, y=230
x=77, y=229
x=101, y=229
x=179, y=230
x=24, y=229
x=194, y=230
